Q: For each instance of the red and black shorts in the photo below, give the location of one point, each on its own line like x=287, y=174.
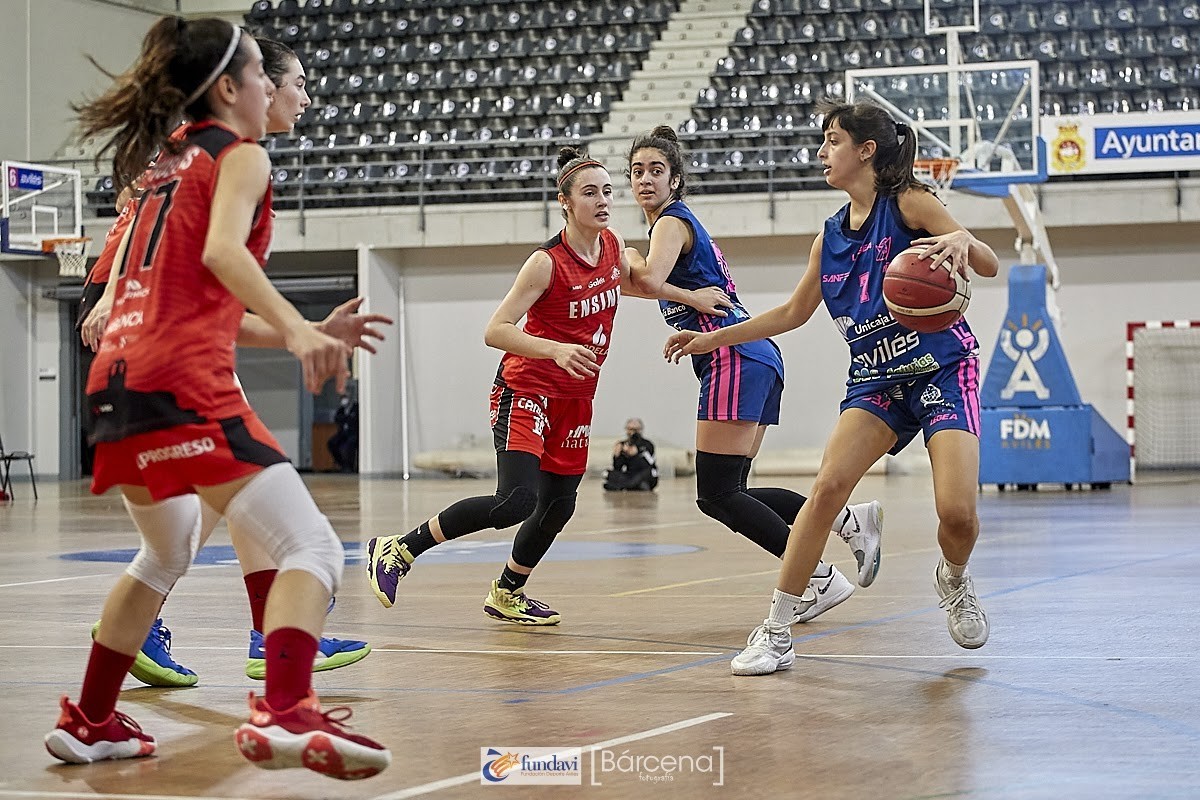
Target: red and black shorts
x=171, y=461
x=555, y=429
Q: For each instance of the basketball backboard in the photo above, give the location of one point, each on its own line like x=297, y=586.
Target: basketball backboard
x=38, y=202
x=984, y=114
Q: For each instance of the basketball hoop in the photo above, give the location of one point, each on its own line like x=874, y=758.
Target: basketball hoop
x=72, y=253
x=937, y=172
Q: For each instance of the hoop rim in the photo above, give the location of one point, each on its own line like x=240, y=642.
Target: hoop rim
x=49, y=244
x=939, y=171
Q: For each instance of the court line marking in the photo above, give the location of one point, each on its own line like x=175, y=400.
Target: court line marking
x=758, y=574
x=425, y=651
x=98, y=575
x=93, y=795
x=472, y=777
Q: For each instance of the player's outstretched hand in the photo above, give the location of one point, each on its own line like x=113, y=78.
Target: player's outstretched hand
x=948, y=251
x=578, y=361
x=352, y=328
x=687, y=343
x=321, y=357
x=709, y=300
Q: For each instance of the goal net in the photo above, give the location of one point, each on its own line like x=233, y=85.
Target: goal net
x=1164, y=394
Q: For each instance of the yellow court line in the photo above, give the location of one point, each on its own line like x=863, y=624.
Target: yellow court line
x=693, y=583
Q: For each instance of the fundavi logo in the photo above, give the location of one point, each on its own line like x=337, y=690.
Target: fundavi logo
x=530, y=765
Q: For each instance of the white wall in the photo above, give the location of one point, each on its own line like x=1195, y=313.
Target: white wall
x=1110, y=276
x=45, y=44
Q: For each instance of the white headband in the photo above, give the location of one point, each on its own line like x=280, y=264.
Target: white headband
x=218, y=69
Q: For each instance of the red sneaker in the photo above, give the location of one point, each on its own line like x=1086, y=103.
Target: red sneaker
x=77, y=740
x=305, y=736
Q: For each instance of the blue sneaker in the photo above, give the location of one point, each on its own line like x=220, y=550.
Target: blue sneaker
x=154, y=665
x=331, y=654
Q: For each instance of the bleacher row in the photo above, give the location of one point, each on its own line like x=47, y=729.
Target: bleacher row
x=428, y=100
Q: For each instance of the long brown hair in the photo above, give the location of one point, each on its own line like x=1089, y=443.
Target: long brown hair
x=277, y=58
x=149, y=100
x=895, y=142
x=665, y=140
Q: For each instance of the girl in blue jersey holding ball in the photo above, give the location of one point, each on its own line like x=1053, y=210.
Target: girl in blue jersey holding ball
x=900, y=382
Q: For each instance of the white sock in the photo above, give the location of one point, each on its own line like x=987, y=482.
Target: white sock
x=955, y=571
x=823, y=570
x=784, y=608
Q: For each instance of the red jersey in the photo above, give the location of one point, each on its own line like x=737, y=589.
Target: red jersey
x=167, y=356
x=112, y=240
x=578, y=308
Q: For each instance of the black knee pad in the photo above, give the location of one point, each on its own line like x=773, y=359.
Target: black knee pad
x=718, y=481
x=513, y=508
x=538, y=533
x=558, y=514
x=718, y=509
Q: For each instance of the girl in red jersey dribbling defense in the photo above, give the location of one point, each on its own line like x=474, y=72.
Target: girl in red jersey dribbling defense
x=154, y=664
x=169, y=418
x=541, y=402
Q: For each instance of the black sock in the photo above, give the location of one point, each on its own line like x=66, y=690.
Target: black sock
x=511, y=580
x=419, y=539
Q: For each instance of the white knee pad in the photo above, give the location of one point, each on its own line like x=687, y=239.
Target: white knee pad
x=170, y=538
x=275, y=510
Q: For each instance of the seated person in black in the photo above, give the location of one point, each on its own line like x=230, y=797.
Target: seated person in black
x=633, y=468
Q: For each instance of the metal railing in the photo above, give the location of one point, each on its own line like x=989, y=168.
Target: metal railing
x=429, y=174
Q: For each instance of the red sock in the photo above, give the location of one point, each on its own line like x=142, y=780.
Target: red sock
x=102, y=682
x=290, y=656
x=258, y=584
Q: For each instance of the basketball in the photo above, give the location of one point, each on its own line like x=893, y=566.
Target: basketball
x=923, y=299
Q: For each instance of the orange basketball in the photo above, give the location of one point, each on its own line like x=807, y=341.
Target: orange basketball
x=923, y=299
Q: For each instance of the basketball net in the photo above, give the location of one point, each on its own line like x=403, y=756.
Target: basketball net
x=937, y=172
x=72, y=253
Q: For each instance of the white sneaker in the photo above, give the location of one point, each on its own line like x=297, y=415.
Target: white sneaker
x=863, y=532
x=967, y=622
x=825, y=593
x=768, y=649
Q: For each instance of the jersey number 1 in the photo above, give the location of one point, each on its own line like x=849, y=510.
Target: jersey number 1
x=163, y=196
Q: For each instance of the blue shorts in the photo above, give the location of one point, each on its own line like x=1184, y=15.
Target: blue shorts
x=944, y=400
x=734, y=387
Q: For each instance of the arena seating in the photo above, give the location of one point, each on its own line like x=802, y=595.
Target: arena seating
x=1096, y=56
x=427, y=101
x=450, y=99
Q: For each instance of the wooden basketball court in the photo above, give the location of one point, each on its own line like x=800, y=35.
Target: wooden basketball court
x=1087, y=688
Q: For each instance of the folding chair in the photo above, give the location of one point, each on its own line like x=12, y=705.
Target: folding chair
x=6, y=459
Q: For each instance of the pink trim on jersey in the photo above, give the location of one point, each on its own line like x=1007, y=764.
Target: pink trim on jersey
x=736, y=380
x=968, y=387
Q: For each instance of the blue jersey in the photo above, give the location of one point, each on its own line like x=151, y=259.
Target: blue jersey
x=882, y=352
x=704, y=265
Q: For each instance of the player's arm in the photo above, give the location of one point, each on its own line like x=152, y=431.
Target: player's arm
x=950, y=245
x=241, y=183
x=92, y=329
x=671, y=237
x=344, y=323
x=503, y=334
x=707, y=300
x=795, y=312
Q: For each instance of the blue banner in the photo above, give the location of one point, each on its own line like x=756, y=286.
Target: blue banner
x=27, y=179
x=1147, y=141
